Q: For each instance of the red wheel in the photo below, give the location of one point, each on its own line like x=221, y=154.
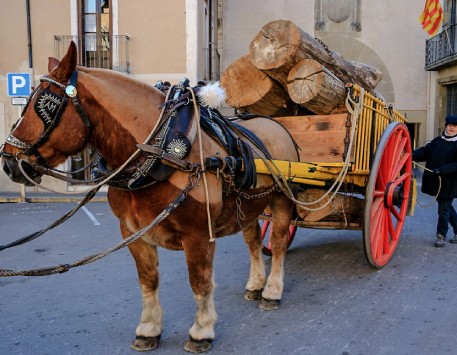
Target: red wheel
x=387, y=194
x=266, y=229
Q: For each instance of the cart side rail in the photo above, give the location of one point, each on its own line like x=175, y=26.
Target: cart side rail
x=374, y=118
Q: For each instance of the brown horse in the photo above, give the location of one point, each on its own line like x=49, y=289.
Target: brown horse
x=114, y=113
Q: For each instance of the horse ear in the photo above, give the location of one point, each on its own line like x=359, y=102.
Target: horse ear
x=52, y=64
x=63, y=69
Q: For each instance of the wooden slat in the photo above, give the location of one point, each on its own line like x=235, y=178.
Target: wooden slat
x=320, y=137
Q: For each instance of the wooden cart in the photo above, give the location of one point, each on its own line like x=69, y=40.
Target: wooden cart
x=355, y=172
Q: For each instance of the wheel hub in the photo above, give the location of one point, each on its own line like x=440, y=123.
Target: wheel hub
x=393, y=195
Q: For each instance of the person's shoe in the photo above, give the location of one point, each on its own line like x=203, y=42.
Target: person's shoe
x=440, y=241
x=453, y=240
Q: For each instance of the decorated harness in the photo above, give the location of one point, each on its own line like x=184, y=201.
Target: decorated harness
x=168, y=147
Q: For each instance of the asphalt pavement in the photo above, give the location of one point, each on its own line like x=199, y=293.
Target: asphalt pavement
x=333, y=301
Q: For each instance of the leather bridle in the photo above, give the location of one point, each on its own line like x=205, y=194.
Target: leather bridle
x=49, y=107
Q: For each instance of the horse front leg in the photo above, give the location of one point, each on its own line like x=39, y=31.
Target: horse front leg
x=199, y=258
x=149, y=329
x=281, y=210
x=254, y=286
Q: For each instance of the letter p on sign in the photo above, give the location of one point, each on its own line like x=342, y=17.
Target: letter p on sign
x=18, y=84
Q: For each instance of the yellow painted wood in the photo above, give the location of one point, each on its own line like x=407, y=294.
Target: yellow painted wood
x=372, y=122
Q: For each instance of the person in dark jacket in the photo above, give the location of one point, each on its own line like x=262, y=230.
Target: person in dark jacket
x=440, y=177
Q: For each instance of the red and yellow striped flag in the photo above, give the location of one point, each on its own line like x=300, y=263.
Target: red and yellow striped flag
x=432, y=16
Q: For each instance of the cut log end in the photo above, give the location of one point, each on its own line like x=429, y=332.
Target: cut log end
x=312, y=86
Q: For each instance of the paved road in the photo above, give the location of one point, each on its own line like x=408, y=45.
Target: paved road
x=334, y=302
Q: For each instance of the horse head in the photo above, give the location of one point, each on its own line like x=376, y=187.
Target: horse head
x=49, y=129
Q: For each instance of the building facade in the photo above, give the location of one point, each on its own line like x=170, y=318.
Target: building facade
x=441, y=65
x=155, y=40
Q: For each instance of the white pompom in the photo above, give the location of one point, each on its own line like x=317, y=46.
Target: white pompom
x=211, y=95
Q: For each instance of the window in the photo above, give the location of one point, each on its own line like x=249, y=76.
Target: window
x=95, y=41
x=451, y=103
x=95, y=33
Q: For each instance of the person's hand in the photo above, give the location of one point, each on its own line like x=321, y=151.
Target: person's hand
x=436, y=171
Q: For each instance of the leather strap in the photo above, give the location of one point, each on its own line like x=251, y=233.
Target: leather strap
x=165, y=157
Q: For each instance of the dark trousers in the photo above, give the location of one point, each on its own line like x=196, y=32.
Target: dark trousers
x=446, y=216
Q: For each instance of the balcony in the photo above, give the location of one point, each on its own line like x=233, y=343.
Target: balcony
x=440, y=50
x=99, y=51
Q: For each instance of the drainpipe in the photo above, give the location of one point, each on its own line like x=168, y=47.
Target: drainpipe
x=29, y=34
x=29, y=44
x=210, y=44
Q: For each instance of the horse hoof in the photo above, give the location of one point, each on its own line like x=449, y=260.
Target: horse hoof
x=269, y=305
x=145, y=343
x=253, y=295
x=198, y=346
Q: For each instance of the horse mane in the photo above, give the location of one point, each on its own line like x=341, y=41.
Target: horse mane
x=123, y=110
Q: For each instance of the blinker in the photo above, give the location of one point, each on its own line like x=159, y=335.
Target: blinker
x=71, y=91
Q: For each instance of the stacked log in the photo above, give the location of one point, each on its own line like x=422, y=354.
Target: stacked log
x=342, y=207
x=250, y=89
x=313, y=86
x=287, y=67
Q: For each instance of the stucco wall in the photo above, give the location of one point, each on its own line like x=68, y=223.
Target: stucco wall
x=243, y=19
x=390, y=39
x=157, y=35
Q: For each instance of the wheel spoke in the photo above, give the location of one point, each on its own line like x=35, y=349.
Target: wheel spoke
x=397, y=215
x=380, y=238
x=401, y=164
x=390, y=231
x=391, y=169
x=401, y=178
x=392, y=155
x=376, y=224
x=390, y=223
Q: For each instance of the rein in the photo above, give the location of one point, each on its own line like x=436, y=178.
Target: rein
x=62, y=219
x=70, y=90
x=59, y=269
x=194, y=170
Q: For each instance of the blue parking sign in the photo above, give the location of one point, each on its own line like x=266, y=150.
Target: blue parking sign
x=18, y=84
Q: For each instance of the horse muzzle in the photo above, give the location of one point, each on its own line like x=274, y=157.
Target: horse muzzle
x=11, y=168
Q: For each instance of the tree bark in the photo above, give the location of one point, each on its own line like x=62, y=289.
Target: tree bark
x=249, y=89
x=342, y=207
x=280, y=45
x=314, y=87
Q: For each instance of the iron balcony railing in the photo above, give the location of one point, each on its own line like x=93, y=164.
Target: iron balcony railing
x=97, y=51
x=440, y=50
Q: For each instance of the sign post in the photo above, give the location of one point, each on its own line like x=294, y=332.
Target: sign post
x=18, y=84
x=19, y=88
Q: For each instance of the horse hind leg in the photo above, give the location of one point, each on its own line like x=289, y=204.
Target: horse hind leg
x=281, y=210
x=256, y=281
x=149, y=329
x=199, y=257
